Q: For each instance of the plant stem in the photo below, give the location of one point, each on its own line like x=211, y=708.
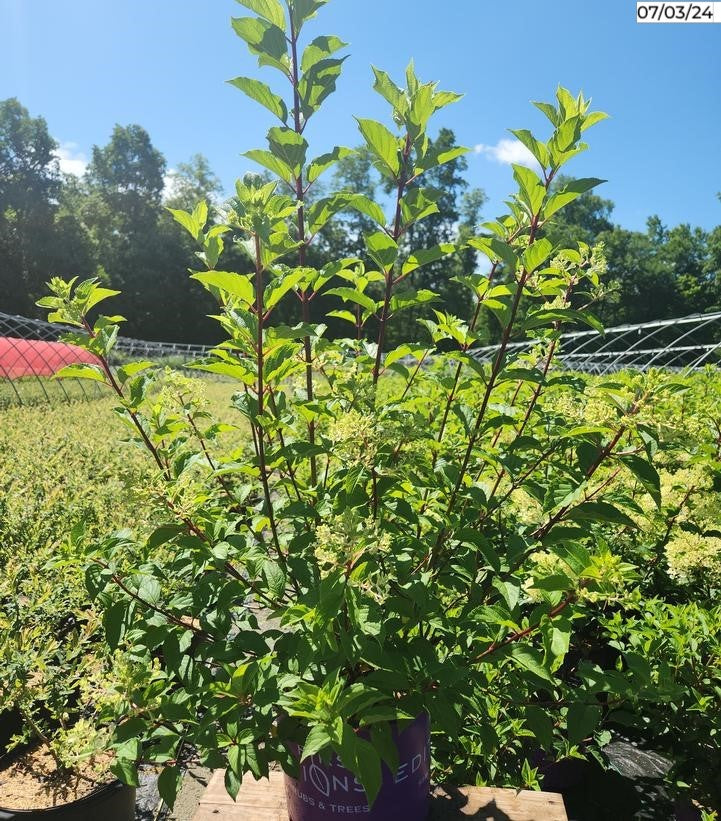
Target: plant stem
x=397, y=227
x=260, y=434
x=300, y=198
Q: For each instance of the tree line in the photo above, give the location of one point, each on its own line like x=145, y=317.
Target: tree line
x=111, y=222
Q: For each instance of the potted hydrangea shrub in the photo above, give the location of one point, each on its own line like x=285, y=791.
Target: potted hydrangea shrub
x=411, y=536
x=56, y=698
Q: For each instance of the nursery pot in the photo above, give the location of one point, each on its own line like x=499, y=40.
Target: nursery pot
x=328, y=791
x=111, y=802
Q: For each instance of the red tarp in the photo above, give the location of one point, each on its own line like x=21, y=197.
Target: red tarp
x=30, y=357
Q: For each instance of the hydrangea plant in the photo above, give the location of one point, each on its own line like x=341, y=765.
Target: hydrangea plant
x=408, y=530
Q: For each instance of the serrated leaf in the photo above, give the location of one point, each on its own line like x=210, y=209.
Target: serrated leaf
x=427, y=255
x=169, y=782
x=272, y=163
x=261, y=93
x=320, y=164
x=381, y=248
x=571, y=191
x=275, y=578
x=382, y=144
x=320, y=49
x=581, y=721
x=238, y=285
x=263, y=37
x=271, y=10
x=600, y=512
x=318, y=739
x=289, y=147
x=646, y=474
x=536, y=254
x=81, y=371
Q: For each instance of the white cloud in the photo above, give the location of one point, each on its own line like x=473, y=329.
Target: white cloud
x=170, y=184
x=508, y=151
x=70, y=159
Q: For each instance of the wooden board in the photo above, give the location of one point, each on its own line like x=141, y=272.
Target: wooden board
x=265, y=801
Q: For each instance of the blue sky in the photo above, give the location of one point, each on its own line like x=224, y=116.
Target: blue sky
x=87, y=64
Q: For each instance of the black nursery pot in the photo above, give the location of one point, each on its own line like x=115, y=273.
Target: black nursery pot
x=111, y=802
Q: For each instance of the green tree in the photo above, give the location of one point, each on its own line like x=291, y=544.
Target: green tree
x=643, y=289
x=29, y=186
x=683, y=253
x=191, y=182
x=125, y=182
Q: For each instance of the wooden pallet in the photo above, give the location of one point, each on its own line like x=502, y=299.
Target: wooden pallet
x=265, y=801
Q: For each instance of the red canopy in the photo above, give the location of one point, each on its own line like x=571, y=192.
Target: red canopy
x=31, y=357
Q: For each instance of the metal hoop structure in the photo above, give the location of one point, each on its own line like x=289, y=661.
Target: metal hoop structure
x=31, y=351
x=682, y=344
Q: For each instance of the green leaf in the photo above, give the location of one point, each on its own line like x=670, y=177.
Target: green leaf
x=389, y=90
x=320, y=49
x=80, y=371
x=496, y=250
x=536, y=254
x=353, y=295
x=571, y=191
x=346, y=315
x=263, y=38
x=279, y=287
x=303, y=10
x=359, y=756
x=272, y=163
x=529, y=658
x=232, y=783
x=275, y=578
x=126, y=771
x=366, y=206
x=538, y=149
x=320, y=164
x=238, y=285
x=543, y=317
x=317, y=83
x=127, y=371
x=98, y=295
x=600, y=512
x=189, y=221
x=533, y=191
x=271, y=10
x=382, y=144
x=261, y=93
x=169, y=782
x=540, y=723
x=381, y=248
x=646, y=474
x=581, y=721
x=427, y=255
x=318, y=739
x=114, y=622
x=550, y=112
x=289, y=147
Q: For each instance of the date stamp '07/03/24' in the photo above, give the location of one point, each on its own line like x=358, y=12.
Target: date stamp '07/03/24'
x=685, y=12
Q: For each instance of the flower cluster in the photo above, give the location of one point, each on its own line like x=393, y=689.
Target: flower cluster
x=692, y=557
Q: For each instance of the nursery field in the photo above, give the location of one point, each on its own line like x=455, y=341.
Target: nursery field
x=63, y=464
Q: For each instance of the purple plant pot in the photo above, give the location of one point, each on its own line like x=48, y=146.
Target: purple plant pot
x=327, y=792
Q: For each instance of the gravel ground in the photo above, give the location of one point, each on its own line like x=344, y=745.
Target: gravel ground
x=149, y=806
